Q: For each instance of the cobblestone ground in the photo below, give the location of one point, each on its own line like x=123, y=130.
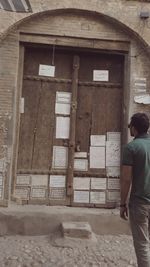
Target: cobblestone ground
x=41, y=251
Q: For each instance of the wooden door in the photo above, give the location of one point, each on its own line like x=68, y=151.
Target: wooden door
x=95, y=111
x=99, y=113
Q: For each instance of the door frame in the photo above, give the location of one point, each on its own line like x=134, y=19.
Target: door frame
x=79, y=44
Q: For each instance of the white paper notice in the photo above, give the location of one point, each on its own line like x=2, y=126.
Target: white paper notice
x=142, y=99
x=112, y=153
x=57, y=193
x=63, y=97
x=60, y=157
x=113, y=183
x=57, y=181
x=1, y=179
x=62, y=109
x=101, y=75
x=113, y=171
x=23, y=180
x=39, y=180
x=22, y=105
x=62, y=127
x=98, y=183
x=82, y=183
x=1, y=192
x=81, y=164
x=47, y=70
x=80, y=155
x=113, y=136
x=2, y=165
x=22, y=193
x=98, y=140
x=97, y=197
x=38, y=192
x=113, y=196
x=97, y=157
x=81, y=196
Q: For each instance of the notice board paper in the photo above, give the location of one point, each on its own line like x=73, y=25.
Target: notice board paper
x=57, y=193
x=1, y=192
x=113, y=136
x=47, y=70
x=22, y=105
x=1, y=165
x=81, y=183
x=1, y=179
x=60, y=157
x=39, y=180
x=63, y=97
x=112, y=153
x=22, y=193
x=62, y=109
x=57, y=181
x=81, y=196
x=97, y=157
x=23, y=180
x=97, y=197
x=113, y=196
x=98, y=140
x=80, y=155
x=38, y=193
x=142, y=99
x=98, y=183
x=62, y=127
x=113, y=171
x=81, y=164
x=113, y=183
x=101, y=75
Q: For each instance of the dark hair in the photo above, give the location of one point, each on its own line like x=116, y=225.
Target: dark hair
x=140, y=121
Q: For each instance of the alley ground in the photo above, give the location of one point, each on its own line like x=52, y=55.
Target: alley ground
x=50, y=251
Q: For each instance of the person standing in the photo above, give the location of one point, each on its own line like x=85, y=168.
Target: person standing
x=135, y=185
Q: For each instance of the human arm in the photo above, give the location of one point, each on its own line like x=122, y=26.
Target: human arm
x=125, y=184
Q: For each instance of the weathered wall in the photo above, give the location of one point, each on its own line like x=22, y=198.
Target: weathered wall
x=97, y=19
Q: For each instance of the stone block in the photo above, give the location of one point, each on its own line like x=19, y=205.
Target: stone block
x=76, y=230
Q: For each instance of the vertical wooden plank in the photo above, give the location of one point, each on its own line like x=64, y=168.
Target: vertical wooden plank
x=44, y=129
x=84, y=117
x=72, y=126
x=99, y=111
x=17, y=116
x=31, y=91
x=113, y=109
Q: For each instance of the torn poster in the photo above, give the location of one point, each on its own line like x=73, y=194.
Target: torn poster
x=142, y=99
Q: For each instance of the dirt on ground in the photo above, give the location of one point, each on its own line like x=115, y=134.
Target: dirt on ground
x=53, y=251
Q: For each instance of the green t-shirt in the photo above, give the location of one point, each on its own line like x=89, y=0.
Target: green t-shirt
x=137, y=154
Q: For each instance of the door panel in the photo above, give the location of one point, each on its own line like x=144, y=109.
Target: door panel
x=31, y=91
x=95, y=110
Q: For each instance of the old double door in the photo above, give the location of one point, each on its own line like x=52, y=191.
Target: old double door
x=63, y=117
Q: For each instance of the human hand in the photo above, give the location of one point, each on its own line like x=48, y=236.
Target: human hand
x=124, y=213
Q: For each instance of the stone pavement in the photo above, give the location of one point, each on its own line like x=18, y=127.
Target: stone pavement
x=44, y=251
x=30, y=237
